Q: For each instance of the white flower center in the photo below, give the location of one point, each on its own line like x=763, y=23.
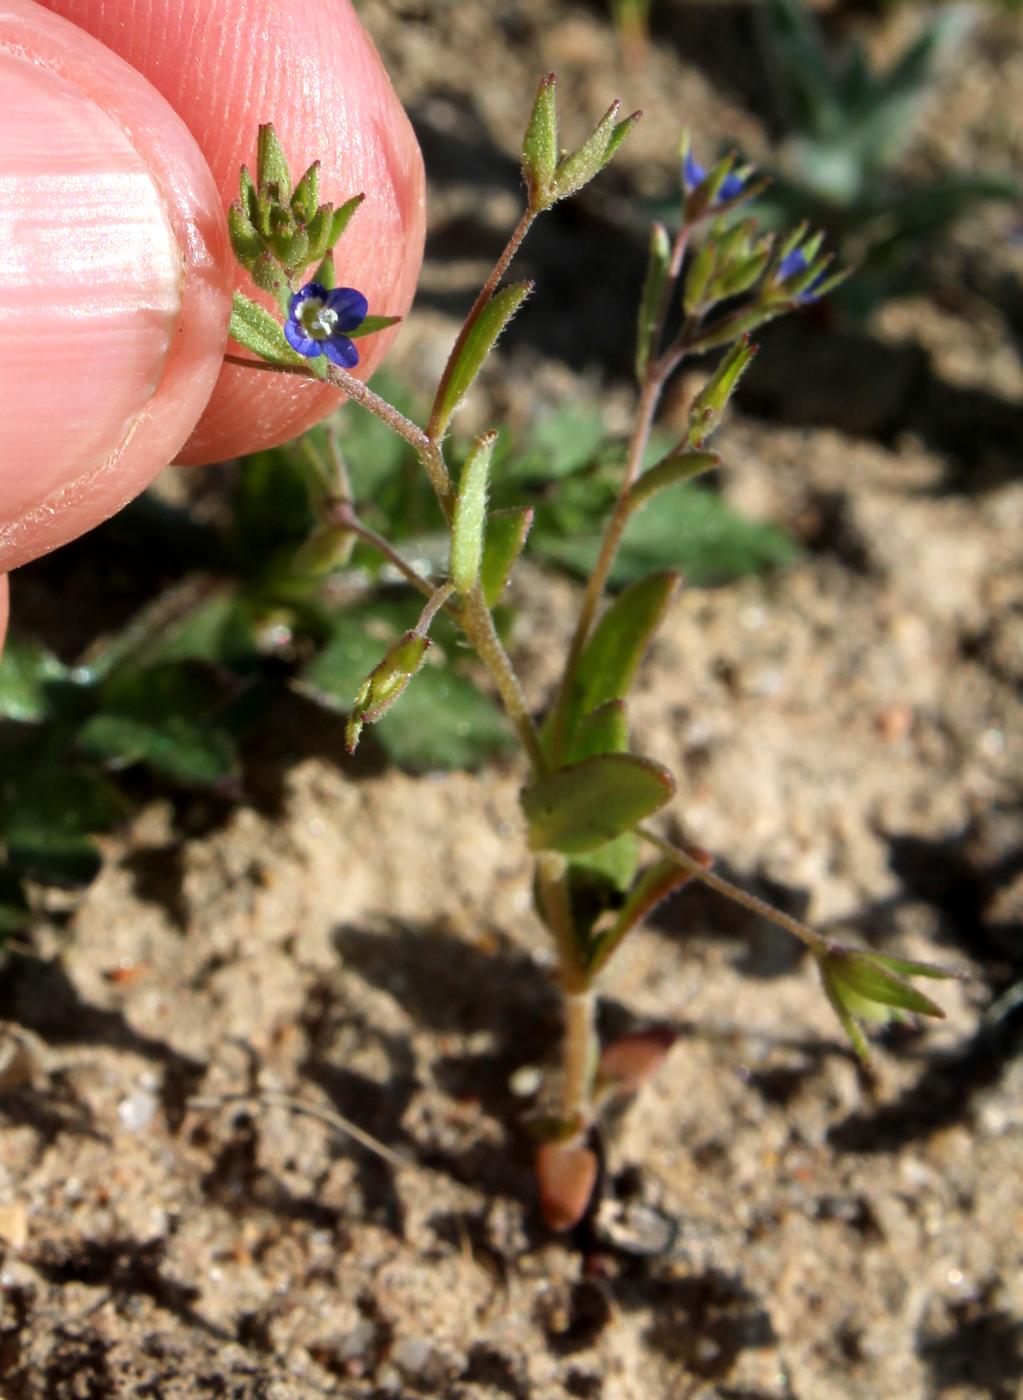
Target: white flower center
x=316, y=318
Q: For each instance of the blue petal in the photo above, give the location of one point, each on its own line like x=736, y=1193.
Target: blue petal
x=733, y=184
x=351, y=307
x=298, y=340
x=792, y=264
x=693, y=173
x=311, y=289
x=341, y=350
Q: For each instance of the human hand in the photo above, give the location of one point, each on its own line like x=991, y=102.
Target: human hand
x=115, y=270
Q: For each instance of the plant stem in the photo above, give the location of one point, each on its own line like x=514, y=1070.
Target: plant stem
x=478, y=625
x=428, y=451
x=486, y=292
x=343, y=517
x=814, y=941
x=657, y=372
x=579, y=1056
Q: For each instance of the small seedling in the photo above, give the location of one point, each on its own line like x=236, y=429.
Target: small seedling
x=589, y=797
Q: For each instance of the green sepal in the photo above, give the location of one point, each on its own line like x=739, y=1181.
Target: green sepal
x=866, y=977
x=540, y=144
x=579, y=168
x=470, y=514
x=870, y=987
x=340, y=218
x=248, y=196
x=246, y=240
x=328, y=548
x=710, y=403
x=607, y=666
x=583, y=805
x=698, y=278
x=680, y=465
x=742, y=275
x=306, y=199
x=603, y=730
x=325, y=274
x=254, y=327
x=271, y=163
x=481, y=339
x=371, y=324
x=268, y=275
x=385, y=684
x=503, y=542
x=655, y=883
x=657, y=269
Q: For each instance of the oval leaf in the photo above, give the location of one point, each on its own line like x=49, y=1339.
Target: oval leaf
x=620, y=639
x=468, y=358
x=505, y=536
x=470, y=515
x=580, y=807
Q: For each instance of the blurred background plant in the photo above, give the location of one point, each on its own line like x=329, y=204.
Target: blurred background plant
x=846, y=125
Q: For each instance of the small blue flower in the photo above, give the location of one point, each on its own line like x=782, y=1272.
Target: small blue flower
x=793, y=265
x=693, y=174
x=318, y=319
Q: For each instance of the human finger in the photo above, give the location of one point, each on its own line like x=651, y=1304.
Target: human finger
x=114, y=282
x=228, y=65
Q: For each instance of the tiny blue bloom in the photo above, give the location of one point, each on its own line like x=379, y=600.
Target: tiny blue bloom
x=317, y=321
x=792, y=265
x=693, y=174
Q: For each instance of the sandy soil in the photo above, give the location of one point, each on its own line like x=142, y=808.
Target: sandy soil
x=848, y=740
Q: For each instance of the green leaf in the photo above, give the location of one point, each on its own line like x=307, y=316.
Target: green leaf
x=540, y=145
x=470, y=514
x=503, y=542
x=614, y=862
x=658, y=881
x=692, y=530
x=48, y=815
x=254, y=327
x=371, y=324
x=603, y=730
x=53, y=857
x=481, y=339
x=580, y=807
x=609, y=663
x=560, y=444
x=669, y=471
x=657, y=269
x=182, y=750
x=14, y=910
x=29, y=676
x=271, y=163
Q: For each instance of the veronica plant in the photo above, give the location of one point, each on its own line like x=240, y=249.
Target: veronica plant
x=589, y=797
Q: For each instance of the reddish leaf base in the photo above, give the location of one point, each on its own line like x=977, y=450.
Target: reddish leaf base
x=566, y=1175
x=626, y=1062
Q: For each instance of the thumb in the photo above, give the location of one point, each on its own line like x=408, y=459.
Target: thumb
x=114, y=282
